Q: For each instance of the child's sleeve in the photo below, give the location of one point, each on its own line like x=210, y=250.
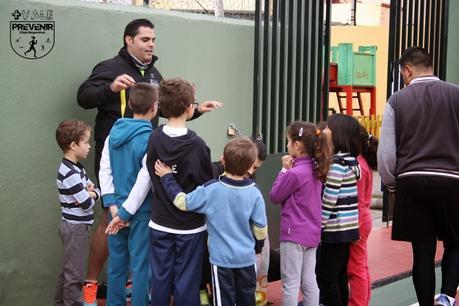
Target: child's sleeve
x=138, y=193
x=193, y=201
x=106, y=177
x=285, y=183
x=259, y=223
x=75, y=186
x=332, y=187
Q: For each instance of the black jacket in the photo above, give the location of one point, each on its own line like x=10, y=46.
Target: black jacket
x=189, y=157
x=95, y=91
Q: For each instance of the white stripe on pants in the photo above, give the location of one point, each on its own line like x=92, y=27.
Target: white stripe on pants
x=298, y=265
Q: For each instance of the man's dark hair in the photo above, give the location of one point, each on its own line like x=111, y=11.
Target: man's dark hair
x=239, y=154
x=142, y=96
x=132, y=28
x=71, y=130
x=415, y=56
x=345, y=134
x=175, y=95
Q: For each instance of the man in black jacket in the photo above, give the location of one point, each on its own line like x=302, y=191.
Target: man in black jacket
x=107, y=88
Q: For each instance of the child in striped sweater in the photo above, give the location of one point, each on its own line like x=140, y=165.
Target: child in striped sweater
x=340, y=226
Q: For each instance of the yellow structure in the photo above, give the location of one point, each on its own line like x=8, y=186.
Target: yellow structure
x=372, y=124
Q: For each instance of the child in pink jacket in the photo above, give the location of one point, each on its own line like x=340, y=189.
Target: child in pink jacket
x=358, y=272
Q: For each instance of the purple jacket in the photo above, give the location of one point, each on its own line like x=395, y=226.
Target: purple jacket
x=299, y=192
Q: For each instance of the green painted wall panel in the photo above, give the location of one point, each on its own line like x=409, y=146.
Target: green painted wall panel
x=35, y=95
x=452, y=62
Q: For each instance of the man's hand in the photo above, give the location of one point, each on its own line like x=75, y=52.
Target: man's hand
x=122, y=82
x=161, y=168
x=115, y=226
x=208, y=106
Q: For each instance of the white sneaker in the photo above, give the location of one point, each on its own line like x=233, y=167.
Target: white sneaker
x=444, y=300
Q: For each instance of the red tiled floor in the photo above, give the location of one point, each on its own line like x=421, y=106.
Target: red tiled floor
x=386, y=259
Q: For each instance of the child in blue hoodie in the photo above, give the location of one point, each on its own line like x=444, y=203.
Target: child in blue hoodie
x=123, y=155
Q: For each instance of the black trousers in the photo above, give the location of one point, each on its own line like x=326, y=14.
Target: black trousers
x=427, y=209
x=234, y=286
x=331, y=271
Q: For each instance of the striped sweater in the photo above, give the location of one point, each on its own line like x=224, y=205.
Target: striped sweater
x=340, y=215
x=76, y=204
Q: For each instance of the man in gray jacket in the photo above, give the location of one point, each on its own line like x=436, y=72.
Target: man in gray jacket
x=418, y=160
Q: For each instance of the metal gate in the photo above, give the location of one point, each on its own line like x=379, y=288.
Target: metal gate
x=422, y=23
x=291, y=46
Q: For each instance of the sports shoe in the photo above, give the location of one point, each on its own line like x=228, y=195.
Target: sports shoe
x=444, y=300
x=128, y=291
x=90, y=294
x=203, y=297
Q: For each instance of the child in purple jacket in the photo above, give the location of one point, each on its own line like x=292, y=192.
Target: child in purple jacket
x=298, y=188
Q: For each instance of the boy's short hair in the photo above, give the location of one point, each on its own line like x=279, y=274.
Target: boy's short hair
x=142, y=96
x=70, y=130
x=239, y=154
x=175, y=95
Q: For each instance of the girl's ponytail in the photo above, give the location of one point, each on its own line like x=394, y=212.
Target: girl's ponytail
x=368, y=148
x=322, y=155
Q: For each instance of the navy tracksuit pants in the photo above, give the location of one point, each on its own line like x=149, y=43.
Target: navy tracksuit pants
x=176, y=267
x=234, y=286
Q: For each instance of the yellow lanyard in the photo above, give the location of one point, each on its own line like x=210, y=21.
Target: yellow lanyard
x=123, y=96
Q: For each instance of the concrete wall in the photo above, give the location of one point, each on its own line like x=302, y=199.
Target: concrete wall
x=35, y=95
x=452, y=62
x=368, y=14
x=365, y=36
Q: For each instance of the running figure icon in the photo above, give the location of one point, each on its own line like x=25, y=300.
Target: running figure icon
x=32, y=44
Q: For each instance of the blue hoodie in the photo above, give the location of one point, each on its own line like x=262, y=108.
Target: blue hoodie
x=127, y=146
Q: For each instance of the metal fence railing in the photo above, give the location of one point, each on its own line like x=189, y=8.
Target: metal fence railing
x=291, y=46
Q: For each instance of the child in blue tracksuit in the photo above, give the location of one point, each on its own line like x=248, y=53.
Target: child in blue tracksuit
x=235, y=218
x=122, y=158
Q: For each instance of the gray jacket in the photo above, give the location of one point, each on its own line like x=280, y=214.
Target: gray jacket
x=420, y=131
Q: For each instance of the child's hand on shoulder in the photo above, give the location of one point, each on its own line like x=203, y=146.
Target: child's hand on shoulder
x=161, y=168
x=287, y=161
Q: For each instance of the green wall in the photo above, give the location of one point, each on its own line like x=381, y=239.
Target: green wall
x=35, y=95
x=452, y=67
